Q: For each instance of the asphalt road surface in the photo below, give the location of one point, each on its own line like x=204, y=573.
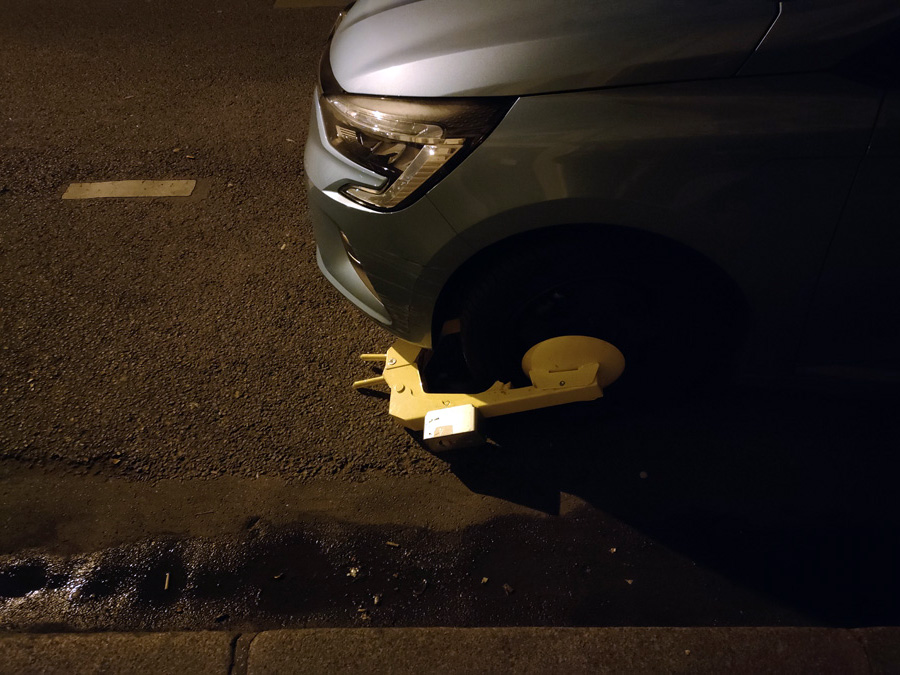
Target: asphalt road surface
x=180, y=447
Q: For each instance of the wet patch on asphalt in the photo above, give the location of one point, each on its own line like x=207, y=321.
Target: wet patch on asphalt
x=580, y=569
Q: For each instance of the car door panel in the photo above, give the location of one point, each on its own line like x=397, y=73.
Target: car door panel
x=854, y=323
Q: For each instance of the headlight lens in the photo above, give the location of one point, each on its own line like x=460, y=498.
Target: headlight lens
x=410, y=142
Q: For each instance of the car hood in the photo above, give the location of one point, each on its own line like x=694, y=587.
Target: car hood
x=517, y=47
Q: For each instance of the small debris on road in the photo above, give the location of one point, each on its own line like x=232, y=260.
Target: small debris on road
x=392, y=543
x=643, y=474
x=353, y=572
x=166, y=585
x=421, y=590
x=376, y=600
x=484, y=580
x=509, y=590
x=612, y=550
x=629, y=581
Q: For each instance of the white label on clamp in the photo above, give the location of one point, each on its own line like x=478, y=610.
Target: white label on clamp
x=450, y=428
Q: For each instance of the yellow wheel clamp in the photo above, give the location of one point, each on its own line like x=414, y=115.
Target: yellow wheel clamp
x=562, y=370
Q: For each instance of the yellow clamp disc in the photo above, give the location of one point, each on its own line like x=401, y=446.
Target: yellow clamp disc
x=571, y=352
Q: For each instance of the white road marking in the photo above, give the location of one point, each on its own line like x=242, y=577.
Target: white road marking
x=303, y=4
x=131, y=188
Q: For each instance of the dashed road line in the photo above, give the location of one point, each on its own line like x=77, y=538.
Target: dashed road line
x=130, y=188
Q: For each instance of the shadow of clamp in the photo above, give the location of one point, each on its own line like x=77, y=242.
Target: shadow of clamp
x=562, y=370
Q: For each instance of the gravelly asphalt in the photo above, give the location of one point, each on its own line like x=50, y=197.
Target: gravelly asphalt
x=173, y=338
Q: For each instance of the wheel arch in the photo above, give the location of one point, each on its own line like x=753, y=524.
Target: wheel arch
x=612, y=237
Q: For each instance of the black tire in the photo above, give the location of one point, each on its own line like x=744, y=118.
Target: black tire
x=676, y=321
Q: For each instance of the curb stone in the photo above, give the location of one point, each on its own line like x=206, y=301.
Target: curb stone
x=772, y=650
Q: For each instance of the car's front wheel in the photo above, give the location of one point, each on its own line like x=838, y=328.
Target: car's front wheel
x=674, y=321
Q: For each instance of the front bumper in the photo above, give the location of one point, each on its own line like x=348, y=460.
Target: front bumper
x=335, y=263
x=407, y=255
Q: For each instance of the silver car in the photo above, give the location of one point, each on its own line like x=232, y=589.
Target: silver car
x=707, y=184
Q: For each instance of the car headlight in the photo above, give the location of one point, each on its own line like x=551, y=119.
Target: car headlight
x=410, y=142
